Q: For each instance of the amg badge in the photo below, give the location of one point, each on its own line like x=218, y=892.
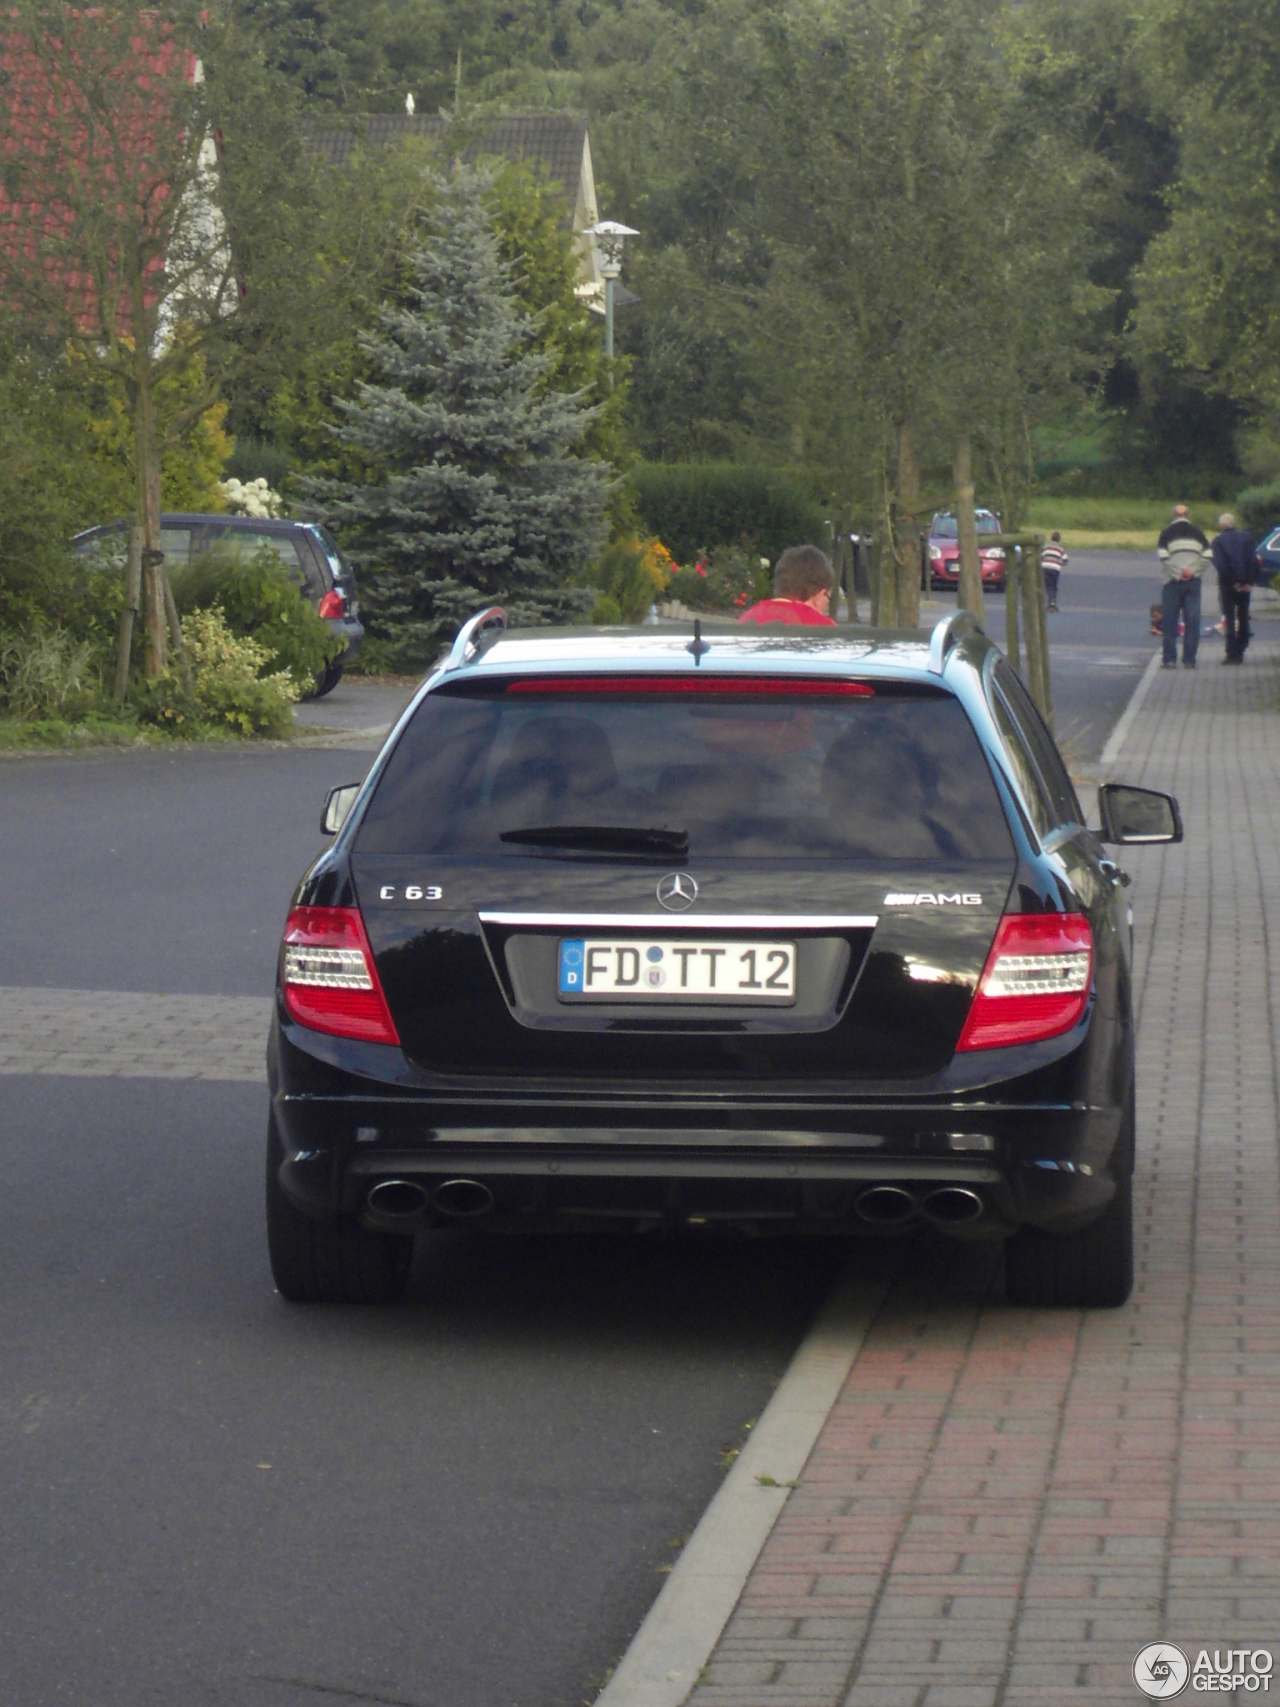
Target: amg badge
x=933, y=900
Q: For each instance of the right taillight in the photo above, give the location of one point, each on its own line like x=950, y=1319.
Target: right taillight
x=328, y=976
x=1036, y=981
x=331, y=605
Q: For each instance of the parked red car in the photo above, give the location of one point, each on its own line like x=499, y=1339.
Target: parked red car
x=944, y=551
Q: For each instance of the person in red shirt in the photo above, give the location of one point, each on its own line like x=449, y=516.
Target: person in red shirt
x=803, y=583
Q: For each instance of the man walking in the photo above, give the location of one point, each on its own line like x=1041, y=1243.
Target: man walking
x=1053, y=560
x=1184, y=551
x=1236, y=559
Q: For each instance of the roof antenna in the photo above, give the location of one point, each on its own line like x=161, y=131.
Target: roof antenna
x=698, y=645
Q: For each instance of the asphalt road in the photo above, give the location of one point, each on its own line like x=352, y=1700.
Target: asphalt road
x=214, y=1498
x=465, y=1501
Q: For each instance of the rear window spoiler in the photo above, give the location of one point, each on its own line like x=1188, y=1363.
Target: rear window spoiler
x=945, y=635
x=475, y=637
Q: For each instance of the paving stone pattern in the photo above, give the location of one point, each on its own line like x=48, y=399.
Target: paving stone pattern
x=120, y=1034
x=1006, y=1505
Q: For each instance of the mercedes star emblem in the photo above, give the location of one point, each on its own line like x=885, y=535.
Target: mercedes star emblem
x=677, y=890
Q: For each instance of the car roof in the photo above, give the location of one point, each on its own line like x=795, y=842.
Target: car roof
x=773, y=649
x=196, y=518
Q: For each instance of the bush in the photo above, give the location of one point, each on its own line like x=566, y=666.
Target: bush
x=727, y=580
x=631, y=574
x=694, y=506
x=248, y=707
x=257, y=459
x=47, y=675
x=230, y=694
x=260, y=602
x=161, y=702
x=226, y=673
x=1258, y=508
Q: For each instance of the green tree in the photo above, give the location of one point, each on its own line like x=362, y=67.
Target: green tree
x=473, y=491
x=1206, y=295
x=51, y=484
x=1086, y=68
x=137, y=242
x=366, y=55
x=531, y=223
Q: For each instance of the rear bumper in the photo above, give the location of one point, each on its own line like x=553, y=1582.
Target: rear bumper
x=759, y=1161
x=350, y=631
x=947, y=573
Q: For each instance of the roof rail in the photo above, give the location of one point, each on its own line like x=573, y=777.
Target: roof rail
x=475, y=637
x=945, y=635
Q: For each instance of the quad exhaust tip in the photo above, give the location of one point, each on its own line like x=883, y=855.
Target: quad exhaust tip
x=952, y=1205
x=399, y=1199
x=885, y=1205
x=406, y=1200
x=945, y=1206
x=463, y=1199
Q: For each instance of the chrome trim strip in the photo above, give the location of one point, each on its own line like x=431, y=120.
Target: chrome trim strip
x=683, y=921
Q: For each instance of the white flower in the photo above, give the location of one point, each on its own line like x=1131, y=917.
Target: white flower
x=252, y=497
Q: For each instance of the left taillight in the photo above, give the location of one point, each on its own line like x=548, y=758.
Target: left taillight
x=331, y=605
x=1036, y=981
x=328, y=976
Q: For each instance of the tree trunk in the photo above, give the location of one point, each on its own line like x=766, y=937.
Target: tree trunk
x=846, y=593
x=175, y=634
x=1012, y=584
x=880, y=566
x=132, y=594
x=969, y=592
x=147, y=466
x=1037, y=627
x=908, y=615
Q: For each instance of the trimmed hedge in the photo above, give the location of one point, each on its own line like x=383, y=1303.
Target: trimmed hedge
x=1258, y=508
x=692, y=506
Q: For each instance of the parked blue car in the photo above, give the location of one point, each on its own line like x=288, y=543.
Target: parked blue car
x=1269, y=554
x=307, y=553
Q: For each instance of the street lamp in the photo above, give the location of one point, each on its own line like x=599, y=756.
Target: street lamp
x=609, y=238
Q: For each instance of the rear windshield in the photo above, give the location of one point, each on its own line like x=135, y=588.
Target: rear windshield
x=895, y=776
x=946, y=527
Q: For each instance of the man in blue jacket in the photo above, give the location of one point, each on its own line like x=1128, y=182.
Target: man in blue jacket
x=1235, y=557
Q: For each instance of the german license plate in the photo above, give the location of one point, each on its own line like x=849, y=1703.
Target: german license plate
x=596, y=969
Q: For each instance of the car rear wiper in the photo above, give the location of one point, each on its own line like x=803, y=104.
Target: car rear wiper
x=601, y=838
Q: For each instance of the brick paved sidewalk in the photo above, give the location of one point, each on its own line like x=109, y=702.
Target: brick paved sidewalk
x=1005, y=1505
x=122, y=1034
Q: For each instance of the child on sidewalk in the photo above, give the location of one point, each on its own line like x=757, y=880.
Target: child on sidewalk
x=1053, y=560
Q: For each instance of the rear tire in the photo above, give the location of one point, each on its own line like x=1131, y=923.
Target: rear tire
x=1088, y=1270
x=327, y=681
x=329, y=1262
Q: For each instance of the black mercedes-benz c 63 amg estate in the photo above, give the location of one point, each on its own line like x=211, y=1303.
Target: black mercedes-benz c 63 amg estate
x=780, y=930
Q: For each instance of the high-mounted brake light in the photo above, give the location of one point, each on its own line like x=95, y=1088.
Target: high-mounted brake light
x=787, y=686
x=329, y=978
x=331, y=605
x=1036, y=981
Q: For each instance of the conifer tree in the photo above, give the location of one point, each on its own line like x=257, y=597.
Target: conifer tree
x=473, y=494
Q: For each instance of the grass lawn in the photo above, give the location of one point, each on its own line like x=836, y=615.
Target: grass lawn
x=1114, y=524
x=22, y=735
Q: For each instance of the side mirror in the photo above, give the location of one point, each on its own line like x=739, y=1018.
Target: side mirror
x=1137, y=815
x=337, y=806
